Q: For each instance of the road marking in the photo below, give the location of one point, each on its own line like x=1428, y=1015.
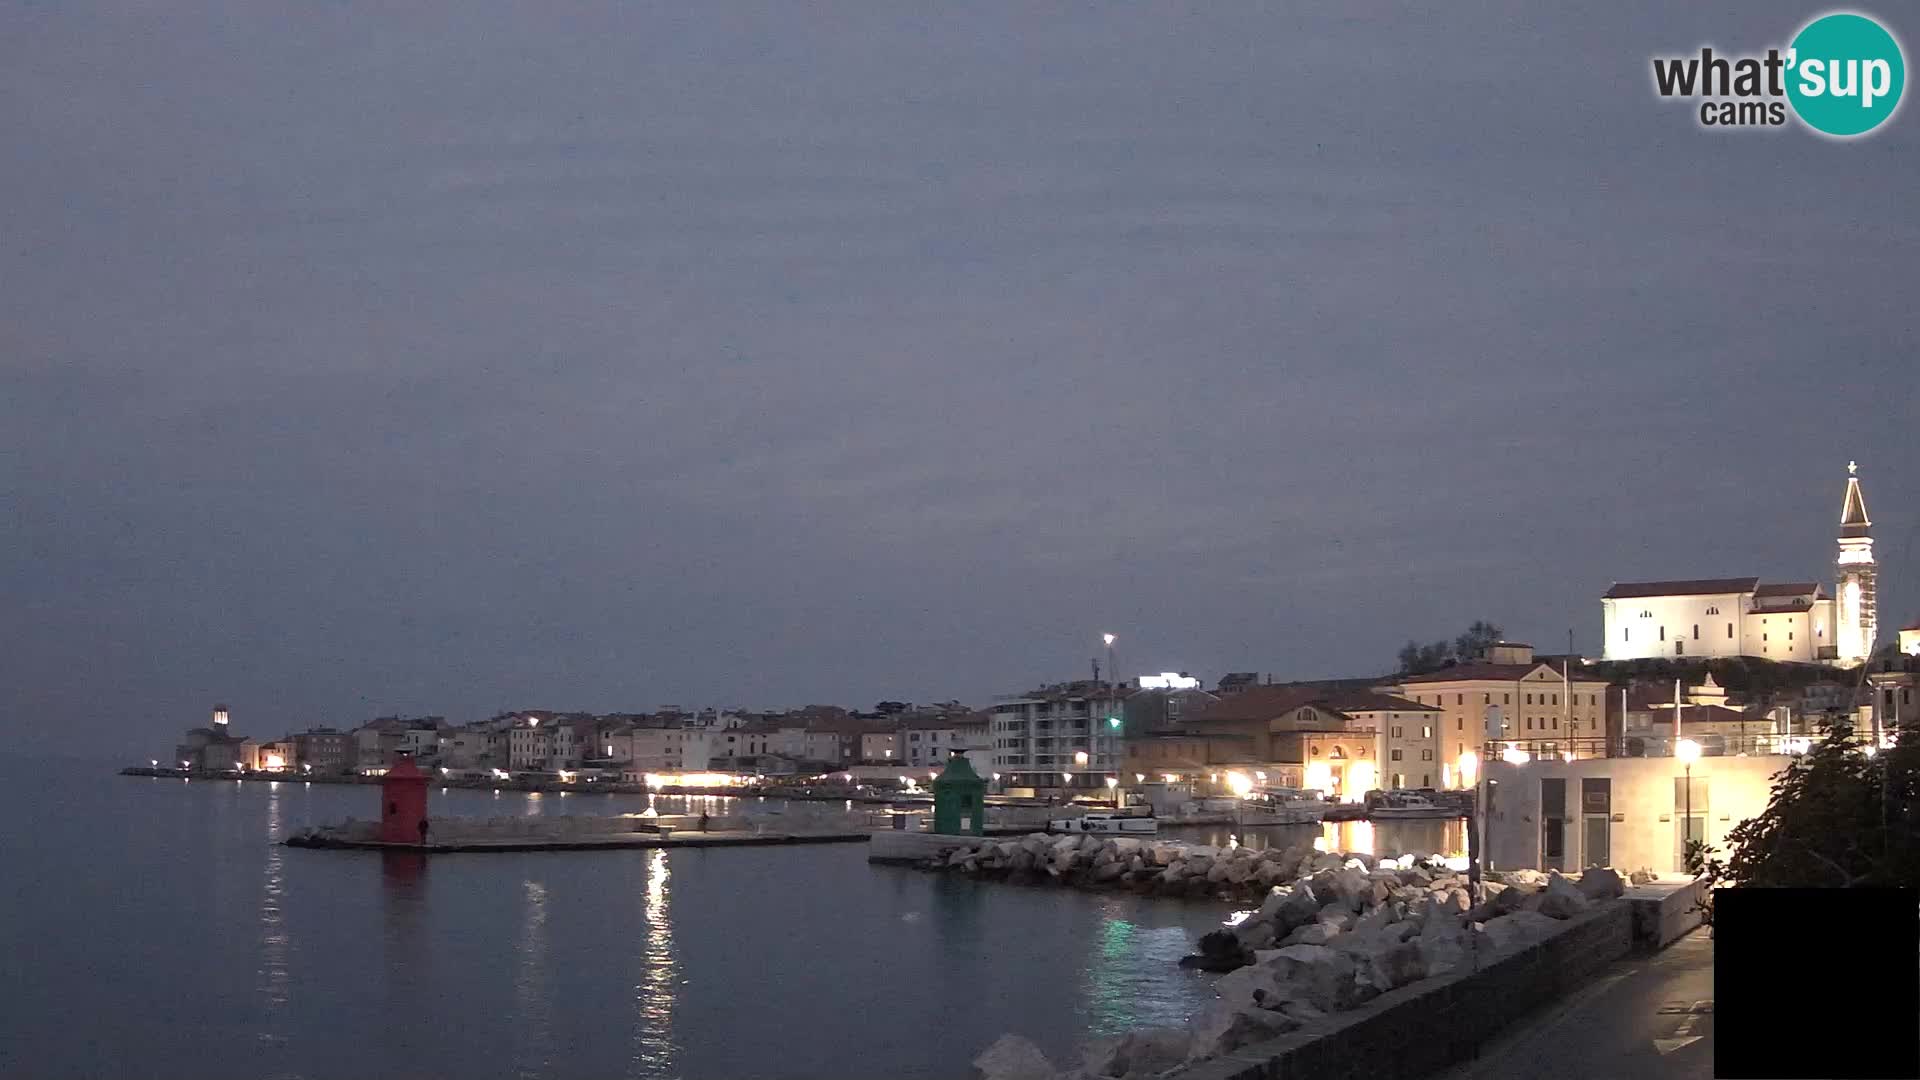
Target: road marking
x=1683, y=1035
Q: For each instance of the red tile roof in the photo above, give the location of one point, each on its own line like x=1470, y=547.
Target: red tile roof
x=1691, y=587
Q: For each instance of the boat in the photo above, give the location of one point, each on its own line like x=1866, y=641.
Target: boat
x=1282, y=806
x=1106, y=823
x=1398, y=807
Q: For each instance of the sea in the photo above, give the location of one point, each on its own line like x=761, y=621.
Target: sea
x=157, y=928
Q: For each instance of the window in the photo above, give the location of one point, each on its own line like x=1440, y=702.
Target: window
x=1763, y=637
x=1506, y=699
x=1459, y=699
x=1663, y=633
x=1486, y=698
x=1789, y=635
x=1426, y=779
x=1729, y=629
x=1529, y=723
x=1679, y=648
x=1393, y=755
x=1696, y=631
x=1529, y=699
x=1459, y=723
x=1426, y=755
x=1396, y=733
x=1426, y=731
x=1556, y=699
x=1556, y=723
x=1626, y=633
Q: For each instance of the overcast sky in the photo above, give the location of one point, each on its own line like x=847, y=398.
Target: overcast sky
x=460, y=357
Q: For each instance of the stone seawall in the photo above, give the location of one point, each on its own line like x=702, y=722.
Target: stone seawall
x=1427, y=1026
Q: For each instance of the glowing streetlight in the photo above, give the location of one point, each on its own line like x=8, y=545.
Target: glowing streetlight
x=1079, y=757
x=1139, y=778
x=1113, y=787
x=1688, y=752
x=996, y=778
x=1067, y=776
x=1513, y=755
x=1469, y=768
x=1240, y=784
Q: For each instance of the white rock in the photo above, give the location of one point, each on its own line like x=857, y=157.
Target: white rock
x=1318, y=975
x=1222, y=1028
x=1355, y=864
x=1448, y=950
x=1013, y=1057
x=1517, y=929
x=1600, y=883
x=1143, y=1052
x=1563, y=899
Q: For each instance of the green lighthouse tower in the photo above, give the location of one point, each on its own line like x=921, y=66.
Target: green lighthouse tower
x=959, y=799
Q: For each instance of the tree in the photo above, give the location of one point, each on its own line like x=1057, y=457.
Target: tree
x=1838, y=817
x=1480, y=637
x=1418, y=659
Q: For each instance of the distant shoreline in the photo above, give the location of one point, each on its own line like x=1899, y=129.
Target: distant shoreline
x=544, y=787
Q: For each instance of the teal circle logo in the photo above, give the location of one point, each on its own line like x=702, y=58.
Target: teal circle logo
x=1845, y=74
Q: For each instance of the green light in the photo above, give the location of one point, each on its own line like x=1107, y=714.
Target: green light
x=1113, y=721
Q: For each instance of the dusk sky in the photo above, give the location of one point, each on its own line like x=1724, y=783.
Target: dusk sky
x=452, y=358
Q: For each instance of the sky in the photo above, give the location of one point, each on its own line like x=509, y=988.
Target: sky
x=454, y=358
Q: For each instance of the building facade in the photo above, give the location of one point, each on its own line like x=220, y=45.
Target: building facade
x=1060, y=737
x=1723, y=617
x=1627, y=813
x=1507, y=696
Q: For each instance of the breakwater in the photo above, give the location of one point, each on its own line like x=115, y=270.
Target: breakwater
x=1343, y=933
x=570, y=832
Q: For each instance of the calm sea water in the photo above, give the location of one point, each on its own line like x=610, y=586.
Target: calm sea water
x=155, y=928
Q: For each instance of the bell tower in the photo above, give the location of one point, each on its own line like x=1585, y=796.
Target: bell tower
x=1855, y=624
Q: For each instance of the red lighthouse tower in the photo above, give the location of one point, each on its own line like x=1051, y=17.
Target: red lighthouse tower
x=403, y=803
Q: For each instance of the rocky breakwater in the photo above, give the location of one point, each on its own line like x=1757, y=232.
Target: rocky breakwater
x=1154, y=867
x=1326, y=942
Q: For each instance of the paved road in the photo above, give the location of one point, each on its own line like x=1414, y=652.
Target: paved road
x=1648, y=1018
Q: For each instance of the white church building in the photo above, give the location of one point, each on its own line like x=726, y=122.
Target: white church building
x=1716, y=617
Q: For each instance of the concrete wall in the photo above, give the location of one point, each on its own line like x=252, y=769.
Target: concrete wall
x=1434, y=1023
x=1643, y=829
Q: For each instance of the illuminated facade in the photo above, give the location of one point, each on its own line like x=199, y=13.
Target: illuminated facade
x=1857, y=621
x=1512, y=693
x=1724, y=617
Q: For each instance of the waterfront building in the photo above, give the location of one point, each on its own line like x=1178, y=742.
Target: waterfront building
x=1508, y=695
x=657, y=748
x=474, y=746
x=323, y=750
x=1157, y=709
x=881, y=745
x=1630, y=813
x=1061, y=737
x=216, y=748
x=927, y=740
x=378, y=741
x=1290, y=736
x=1717, y=617
x=276, y=756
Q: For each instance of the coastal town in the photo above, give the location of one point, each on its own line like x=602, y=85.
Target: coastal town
x=1732, y=675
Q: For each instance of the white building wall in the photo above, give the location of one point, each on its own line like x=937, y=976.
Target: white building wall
x=1708, y=624
x=1643, y=829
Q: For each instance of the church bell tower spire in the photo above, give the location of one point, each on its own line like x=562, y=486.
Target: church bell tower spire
x=1857, y=624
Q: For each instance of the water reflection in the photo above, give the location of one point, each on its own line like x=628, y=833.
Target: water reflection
x=273, y=982
x=1110, y=993
x=653, y=995
x=532, y=988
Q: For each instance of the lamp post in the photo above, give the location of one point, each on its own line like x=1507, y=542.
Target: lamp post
x=1469, y=764
x=1113, y=788
x=1113, y=697
x=1687, y=751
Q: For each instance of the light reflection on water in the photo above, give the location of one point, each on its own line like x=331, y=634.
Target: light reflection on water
x=653, y=996
x=273, y=982
x=643, y=964
x=532, y=992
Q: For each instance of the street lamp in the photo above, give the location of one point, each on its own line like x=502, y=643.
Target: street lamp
x=1113, y=787
x=1469, y=763
x=1688, y=752
x=1079, y=757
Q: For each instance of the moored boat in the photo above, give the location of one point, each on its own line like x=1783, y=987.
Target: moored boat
x=1106, y=823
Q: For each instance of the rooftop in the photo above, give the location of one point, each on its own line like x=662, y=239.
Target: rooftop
x=1688, y=587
